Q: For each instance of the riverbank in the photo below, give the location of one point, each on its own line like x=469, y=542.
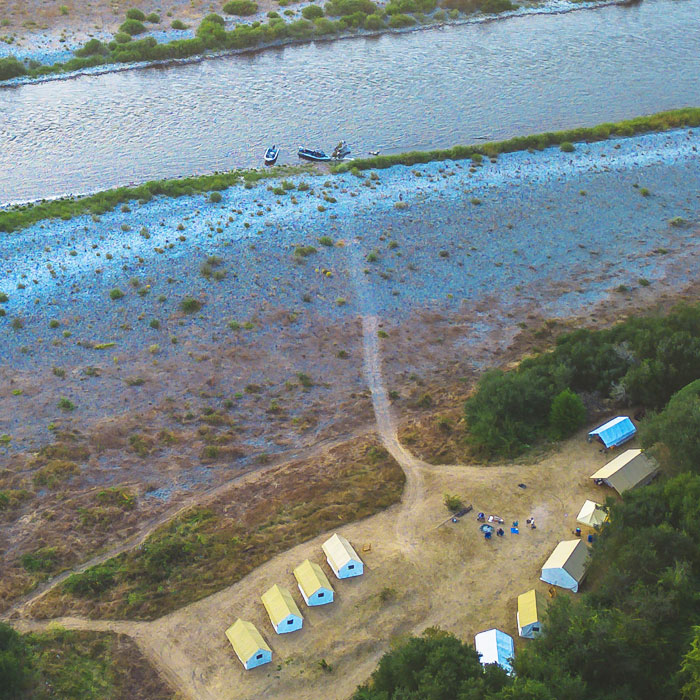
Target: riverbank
x=16, y=218
x=46, y=60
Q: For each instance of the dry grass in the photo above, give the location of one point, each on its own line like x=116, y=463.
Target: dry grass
x=205, y=549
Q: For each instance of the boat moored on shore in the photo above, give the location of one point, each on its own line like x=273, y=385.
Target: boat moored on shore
x=271, y=155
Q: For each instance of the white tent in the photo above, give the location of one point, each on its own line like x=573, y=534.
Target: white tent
x=592, y=514
x=342, y=558
x=566, y=565
x=495, y=647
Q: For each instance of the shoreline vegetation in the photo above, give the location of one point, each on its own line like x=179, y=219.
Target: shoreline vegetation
x=337, y=19
x=19, y=217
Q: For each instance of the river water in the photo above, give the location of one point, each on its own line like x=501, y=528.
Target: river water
x=420, y=90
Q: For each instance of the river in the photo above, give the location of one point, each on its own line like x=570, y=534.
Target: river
x=419, y=90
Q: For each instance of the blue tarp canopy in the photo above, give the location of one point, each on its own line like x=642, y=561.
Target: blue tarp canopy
x=615, y=431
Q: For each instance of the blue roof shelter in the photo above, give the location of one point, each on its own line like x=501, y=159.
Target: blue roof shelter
x=614, y=432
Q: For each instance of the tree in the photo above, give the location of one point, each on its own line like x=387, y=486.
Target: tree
x=435, y=666
x=677, y=428
x=690, y=669
x=567, y=414
x=15, y=668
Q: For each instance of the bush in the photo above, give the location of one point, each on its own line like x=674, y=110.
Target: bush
x=93, y=47
x=312, y=12
x=153, y=18
x=178, y=24
x=242, y=8
x=453, y=503
x=374, y=22
x=325, y=26
x=132, y=27
x=136, y=14
x=493, y=7
x=399, y=21
x=10, y=67
x=343, y=8
x=567, y=414
x=215, y=197
x=190, y=305
x=122, y=38
x=115, y=294
x=567, y=147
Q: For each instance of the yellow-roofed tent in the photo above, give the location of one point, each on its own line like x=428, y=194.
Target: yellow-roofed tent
x=342, y=558
x=566, y=565
x=247, y=642
x=530, y=608
x=313, y=584
x=592, y=514
x=627, y=471
x=283, y=611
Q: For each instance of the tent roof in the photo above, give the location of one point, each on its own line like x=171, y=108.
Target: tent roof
x=530, y=606
x=310, y=577
x=615, y=431
x=627, y=470
x=571, y=556
x=592, y=514
x=279, y=604
x=339, y=551
x=246, y=640
x=495, y=647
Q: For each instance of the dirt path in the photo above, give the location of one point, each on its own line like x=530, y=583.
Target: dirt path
x=414, y=490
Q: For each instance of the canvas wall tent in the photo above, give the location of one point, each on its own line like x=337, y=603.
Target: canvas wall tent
x=342, y=558
x=283, y=611
x=614, y=432
x=592, y=514
x=566, y=565
x=495, y=647
x=627, y=471
x=248, y=644
x=313, y=584
x=530, y=608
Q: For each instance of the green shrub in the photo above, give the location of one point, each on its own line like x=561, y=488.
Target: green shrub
x=374, y=22
x=242, y=8
x=178, y=24
x=116, y=293
x=343, y=8
x=453, y=503
x=567, y=147
x=134, y=13
x=399, y=21
x=10, y=67
x=312, y=12
x=122, y=38
x=132, y=27
x=190, y=305
x=215, y=197
x=66, y=404
x=153, y=18
x=325, y=26
x=92, y=48
x=566, y=415
x=493, y=7
x=17, y=673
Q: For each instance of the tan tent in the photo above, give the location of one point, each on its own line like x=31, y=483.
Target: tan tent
x=592, y=514
x=566, y=565
x=247, y=642
x=627, y=471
